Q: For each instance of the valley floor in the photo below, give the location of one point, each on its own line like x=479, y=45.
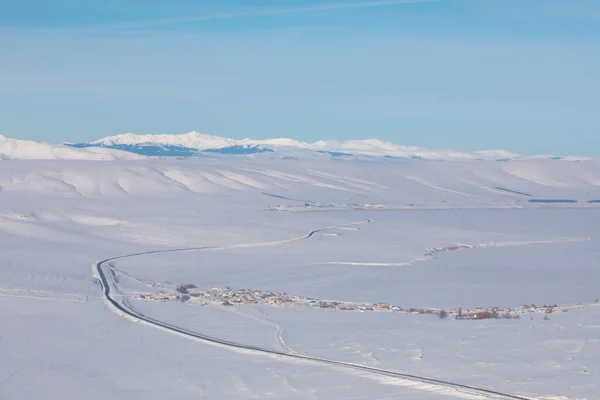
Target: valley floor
x=60, y=337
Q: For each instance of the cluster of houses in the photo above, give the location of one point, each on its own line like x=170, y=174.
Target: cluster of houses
x=505, y=313
x=229, y=297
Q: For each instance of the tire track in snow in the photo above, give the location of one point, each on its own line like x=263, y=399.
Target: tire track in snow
x=419, y=382
x=264, y=320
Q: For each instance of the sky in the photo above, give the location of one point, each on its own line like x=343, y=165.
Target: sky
x=519, y=75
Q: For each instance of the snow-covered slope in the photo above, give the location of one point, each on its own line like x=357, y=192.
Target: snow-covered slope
x=11, y=149
x=324, y=181
x=194, y=142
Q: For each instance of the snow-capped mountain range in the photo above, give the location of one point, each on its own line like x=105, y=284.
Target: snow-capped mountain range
x=370, y=147
x=133, y=146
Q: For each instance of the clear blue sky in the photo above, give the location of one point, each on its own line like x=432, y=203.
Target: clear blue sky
x=522, y=75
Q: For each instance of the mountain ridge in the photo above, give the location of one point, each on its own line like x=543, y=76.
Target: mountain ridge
x=199, y=142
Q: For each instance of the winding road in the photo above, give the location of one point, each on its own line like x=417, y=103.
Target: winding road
x=103, y=271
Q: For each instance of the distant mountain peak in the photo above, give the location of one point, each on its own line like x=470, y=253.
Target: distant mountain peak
x=193, y=140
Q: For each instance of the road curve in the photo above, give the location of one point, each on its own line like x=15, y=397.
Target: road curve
x=123, y=309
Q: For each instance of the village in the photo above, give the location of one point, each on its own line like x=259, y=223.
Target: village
x=189, y=293
x=227, y=297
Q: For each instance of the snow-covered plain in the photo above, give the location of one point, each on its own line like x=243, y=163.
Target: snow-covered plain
x=388, y=222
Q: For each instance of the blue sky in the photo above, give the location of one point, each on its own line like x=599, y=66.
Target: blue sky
x=465, y=74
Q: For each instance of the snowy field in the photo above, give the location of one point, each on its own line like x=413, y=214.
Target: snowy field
x=417, y=234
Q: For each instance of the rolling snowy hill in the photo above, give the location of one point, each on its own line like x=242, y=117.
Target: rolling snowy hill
x=15, y=149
